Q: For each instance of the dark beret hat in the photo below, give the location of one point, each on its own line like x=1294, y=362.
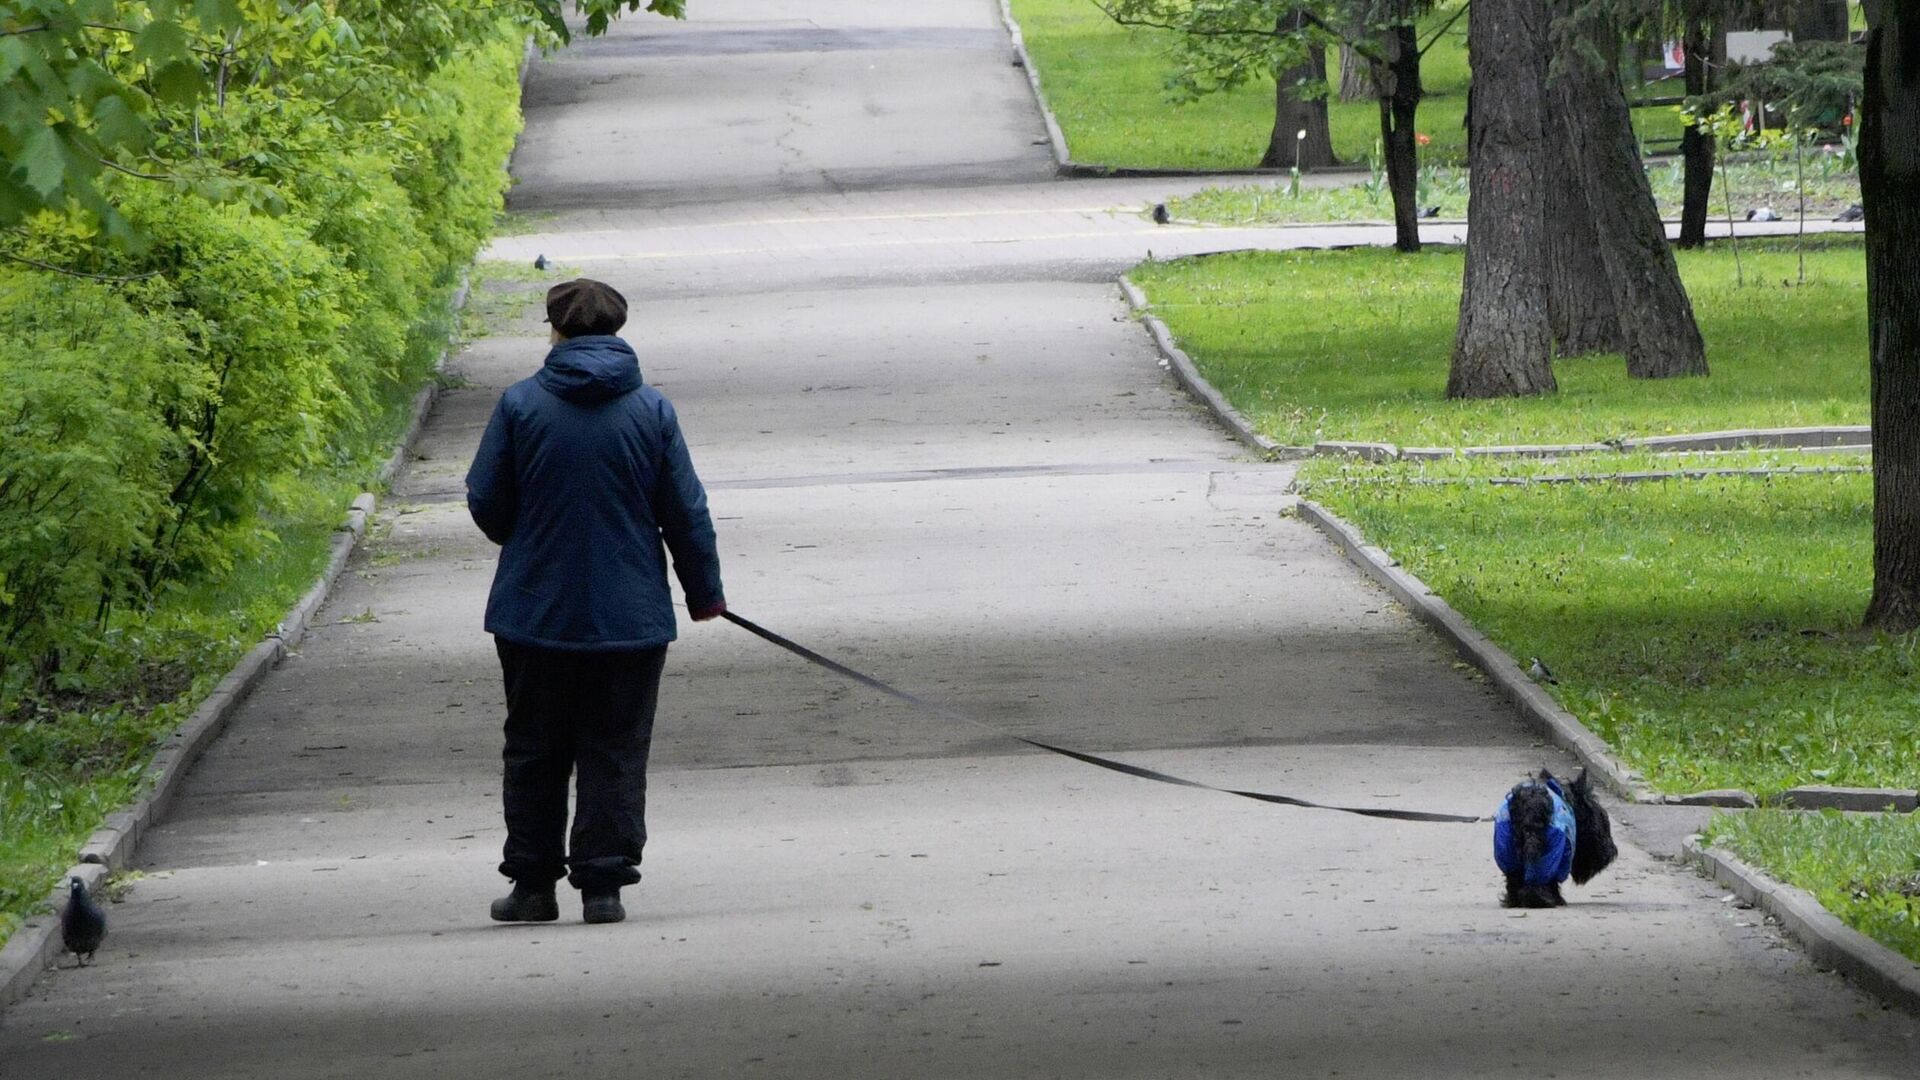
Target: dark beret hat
x=583, y=306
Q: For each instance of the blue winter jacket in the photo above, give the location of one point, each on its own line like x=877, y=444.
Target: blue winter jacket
x=1556, y=862
x=585, y=482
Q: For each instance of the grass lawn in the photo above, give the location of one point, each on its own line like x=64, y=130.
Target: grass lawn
x=1107, y=86
x=1864, y=869
x=1704, y=628
x=1756, y=184
x=1354, y=345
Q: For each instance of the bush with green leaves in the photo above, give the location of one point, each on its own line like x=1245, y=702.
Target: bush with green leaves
x=160, y=404
x=90, y=385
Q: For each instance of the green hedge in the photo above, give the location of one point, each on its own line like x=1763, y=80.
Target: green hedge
x=164, y=437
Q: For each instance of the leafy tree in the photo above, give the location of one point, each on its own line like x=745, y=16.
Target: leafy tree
x=1225, y=43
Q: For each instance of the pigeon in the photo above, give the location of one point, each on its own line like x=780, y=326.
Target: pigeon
x=1762, y=213
x=1540, y=673
x=540, y=262
x=82, y=925
x=1160, y=214
x=1427, y=212
x=1856, y=212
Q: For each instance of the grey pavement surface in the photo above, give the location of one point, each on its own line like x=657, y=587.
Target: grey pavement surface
x=941, y=452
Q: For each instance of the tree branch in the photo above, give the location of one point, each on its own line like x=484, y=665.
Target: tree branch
x=136, y=174
x=1442, y=32
x=38, y=265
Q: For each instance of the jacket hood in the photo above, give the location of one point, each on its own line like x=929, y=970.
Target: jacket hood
x=589, y=369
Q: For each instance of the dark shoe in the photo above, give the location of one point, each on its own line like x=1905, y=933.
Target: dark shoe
x=602, y=907
x=527, y=903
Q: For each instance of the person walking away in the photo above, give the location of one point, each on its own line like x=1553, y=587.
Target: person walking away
x=584, y=480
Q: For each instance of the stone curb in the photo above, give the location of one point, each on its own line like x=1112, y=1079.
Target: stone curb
x=1190, y=377
x=1828, y=942
x=36, y=943
x=1813, y=438
x=1533, y=703
x=1641, y=477
x=1056, y=138
x=1853, y=800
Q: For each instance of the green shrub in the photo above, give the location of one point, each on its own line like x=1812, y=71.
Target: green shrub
x=91, y=390
x=177, y=445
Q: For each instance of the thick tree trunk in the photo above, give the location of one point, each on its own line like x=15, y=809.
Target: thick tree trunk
x=1356, y=76
x=1657, y=328
x=1579, y=292
x=1890, y=191
x=1820, y=20
x=1504, y=343
x=1398, y=83
x=1292, y=115
x=1696, y=146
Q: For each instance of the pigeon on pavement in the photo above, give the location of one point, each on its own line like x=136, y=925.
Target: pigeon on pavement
x=1160, y=214
x=1856, y=212
x=82, y=925
x=1762, y=213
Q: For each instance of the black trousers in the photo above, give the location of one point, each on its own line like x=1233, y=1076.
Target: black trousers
x=584, y=713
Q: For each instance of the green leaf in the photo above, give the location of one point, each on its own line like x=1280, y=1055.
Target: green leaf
x=160, y=43
x=118, y=125
x=218, y=14
x=44, y=158
x=179, y=83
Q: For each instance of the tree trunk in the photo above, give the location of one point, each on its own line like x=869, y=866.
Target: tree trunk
x=1890, y=191
x=1504, y=343
x=1292, y=115
x=1356, y=76
x=1820, y=20
x=1657, y=327
x=1579, y=292
x=1398, y=83
x=1696, y=146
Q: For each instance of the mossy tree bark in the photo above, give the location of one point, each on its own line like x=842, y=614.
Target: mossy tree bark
x=1890, y=191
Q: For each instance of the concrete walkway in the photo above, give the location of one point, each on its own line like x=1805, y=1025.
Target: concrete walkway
x=939, y=449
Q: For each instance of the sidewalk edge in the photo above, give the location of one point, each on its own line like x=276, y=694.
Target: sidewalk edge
x=35, y=945
x=1196, y=384
x=1829, y=942
x=1533, y=703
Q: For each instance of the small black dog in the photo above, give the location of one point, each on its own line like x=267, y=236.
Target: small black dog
x=1544, y=832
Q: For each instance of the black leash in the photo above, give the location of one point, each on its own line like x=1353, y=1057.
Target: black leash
x=1143, y=773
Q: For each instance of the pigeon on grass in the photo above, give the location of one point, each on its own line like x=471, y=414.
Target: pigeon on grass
x=82, y=925
x=1539, y=672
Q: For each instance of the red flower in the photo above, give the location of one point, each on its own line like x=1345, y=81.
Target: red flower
x=1421, y=138
x=1847, y=120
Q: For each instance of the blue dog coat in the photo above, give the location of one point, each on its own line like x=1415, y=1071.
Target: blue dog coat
x=1556, y=863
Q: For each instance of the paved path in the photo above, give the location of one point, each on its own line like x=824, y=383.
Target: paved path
x=938, y=448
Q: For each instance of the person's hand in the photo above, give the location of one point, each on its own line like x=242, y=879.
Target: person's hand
x=712, y=611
